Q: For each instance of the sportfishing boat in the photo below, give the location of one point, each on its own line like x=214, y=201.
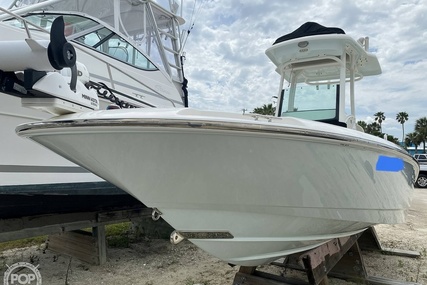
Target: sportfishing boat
x=251, y=188
x=129, y=55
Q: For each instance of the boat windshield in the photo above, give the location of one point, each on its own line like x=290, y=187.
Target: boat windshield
x=311, y=102
x=92, y=34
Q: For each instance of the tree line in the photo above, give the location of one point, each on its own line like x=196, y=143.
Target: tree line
x=418, y=136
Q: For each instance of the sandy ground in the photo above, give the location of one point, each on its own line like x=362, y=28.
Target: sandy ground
x=155, y=262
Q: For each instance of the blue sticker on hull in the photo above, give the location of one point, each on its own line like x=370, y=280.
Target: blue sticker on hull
x=391, y=164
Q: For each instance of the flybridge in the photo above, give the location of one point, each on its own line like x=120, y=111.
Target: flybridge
x=152, y=28
x=129, y=54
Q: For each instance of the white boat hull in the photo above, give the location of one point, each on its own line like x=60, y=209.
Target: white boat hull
x=274, y=188
x=23, y=162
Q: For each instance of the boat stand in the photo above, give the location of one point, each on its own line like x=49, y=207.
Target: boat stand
x=340, y=258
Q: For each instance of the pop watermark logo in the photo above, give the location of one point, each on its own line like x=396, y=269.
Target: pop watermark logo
x=22, y=273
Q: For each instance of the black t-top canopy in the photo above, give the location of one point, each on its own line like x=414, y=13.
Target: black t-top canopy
x=309, y=29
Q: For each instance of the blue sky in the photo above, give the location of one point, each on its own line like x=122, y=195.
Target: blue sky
x=228, y=69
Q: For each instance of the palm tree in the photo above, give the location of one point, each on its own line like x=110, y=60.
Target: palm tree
x=414, y=138
x=421, y=128
x=379, y=117
x=393, y=139
x=373, y=129
x=402, y=117
x=362, y=124
x=265, y=110
x=408, y=142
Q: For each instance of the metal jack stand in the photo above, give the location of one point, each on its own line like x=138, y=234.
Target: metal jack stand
x=340, y=258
